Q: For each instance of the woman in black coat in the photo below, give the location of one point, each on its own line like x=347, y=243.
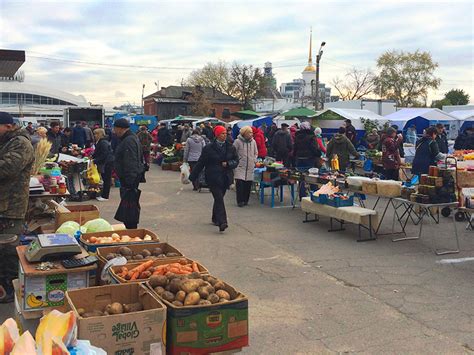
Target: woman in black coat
x=104, y=159
x=305, y=149
x=219, y=159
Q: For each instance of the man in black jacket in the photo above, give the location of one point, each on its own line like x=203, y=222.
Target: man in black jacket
x=281, y=144
x=219, y=159
x=165, y=138
x=442, y=139
x=128, y=163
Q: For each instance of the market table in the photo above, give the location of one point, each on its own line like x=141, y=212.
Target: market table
x=363, y=217
x=417, y=213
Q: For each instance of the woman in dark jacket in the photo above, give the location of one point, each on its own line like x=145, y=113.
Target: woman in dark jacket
x=427, y=152
x=104, y=159
x=219, y=159
x=305, y=149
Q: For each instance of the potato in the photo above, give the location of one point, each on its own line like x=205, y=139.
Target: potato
x=94, y=313
x=192, y=299
x=203, y=292
x=219, y=285
x=125, y=251
x=178, y=303
x=223, y=300
x=138, y=257
x=191, y=285
x=172, y=254
x=204, y=303
x=114, y=308
x=81, y=311
x=157, y=251
x=110, y=256
x=212, y=280
x=223, y=294
x=213, y=298
x=194, y=275
x=145, y=275
x=146, y=253
x=168, y=296
x=158, y=280
x=132, y=307
x=159, y=290
x=128, y=257
x=180, y=296
x=175, y=285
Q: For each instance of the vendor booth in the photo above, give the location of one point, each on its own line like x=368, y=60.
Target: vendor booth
x=465, y=117
x=422, y=118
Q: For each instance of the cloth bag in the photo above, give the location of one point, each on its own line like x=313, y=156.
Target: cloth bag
x=185, y=171
x=128, y=211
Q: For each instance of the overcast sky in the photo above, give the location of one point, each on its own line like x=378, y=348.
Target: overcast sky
x=176, y=37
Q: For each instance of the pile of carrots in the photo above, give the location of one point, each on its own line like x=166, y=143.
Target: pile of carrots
x=146, y=270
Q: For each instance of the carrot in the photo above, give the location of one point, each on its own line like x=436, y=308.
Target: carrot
x=134, y=275
x=195, y=267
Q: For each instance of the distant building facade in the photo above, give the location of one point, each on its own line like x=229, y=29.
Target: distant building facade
x=380, y=107
x=173, y=101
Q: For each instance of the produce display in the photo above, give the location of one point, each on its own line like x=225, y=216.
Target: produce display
x=327, y=189
x=129, y=254
x=110, y=309
x=93, y=226
x=146, y=270
x=116, y=238
x=191, y=290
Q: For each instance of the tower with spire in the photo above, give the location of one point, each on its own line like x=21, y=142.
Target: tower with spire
x=309, y=73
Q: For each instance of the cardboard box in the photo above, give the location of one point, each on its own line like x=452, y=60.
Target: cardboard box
x=131, y=333
x=137, y=248
x=132, y=233
x=114, y=270
x=40, y=290
x=208, y=329
x=77, y=213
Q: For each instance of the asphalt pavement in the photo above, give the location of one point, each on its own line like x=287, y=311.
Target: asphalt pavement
x=311, y=291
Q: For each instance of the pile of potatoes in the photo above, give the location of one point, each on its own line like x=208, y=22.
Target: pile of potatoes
x=190, y=290
x=144, y=254
x=110, y=309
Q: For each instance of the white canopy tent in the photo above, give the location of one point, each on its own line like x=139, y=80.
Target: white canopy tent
x=465, y=117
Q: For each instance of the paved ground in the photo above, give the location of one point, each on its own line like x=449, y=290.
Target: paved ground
x=312, y=291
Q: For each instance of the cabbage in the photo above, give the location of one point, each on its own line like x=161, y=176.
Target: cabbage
x=97, y=225
x=68, y=227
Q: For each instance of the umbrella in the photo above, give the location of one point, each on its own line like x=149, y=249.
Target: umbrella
x=299, y=112
x=246, y=114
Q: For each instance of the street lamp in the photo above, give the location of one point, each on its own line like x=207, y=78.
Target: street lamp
x=318, y=58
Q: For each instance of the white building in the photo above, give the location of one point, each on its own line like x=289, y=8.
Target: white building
x=380, y=107
x=303, y=90
x=36, y=103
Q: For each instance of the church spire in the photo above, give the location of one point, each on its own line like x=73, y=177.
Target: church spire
x=310, y=58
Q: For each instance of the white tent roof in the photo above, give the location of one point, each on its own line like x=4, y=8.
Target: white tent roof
x=430, y=114
x=463, y=114
x=352, y=114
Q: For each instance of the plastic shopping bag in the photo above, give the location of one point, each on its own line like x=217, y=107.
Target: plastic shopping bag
x=93, y=175
x=368, y=165
x=185, y=171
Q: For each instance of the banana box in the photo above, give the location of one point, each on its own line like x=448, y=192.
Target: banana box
x=41, y=289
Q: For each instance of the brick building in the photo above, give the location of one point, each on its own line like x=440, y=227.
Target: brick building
x=172, y=101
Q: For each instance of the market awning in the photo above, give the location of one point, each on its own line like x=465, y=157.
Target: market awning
x=299, y=112
x=245, y=114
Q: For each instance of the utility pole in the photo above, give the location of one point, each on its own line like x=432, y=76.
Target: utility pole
x=143, y=103
x=318, y=58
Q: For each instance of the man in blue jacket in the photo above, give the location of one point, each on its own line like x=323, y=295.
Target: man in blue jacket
x=79, y=135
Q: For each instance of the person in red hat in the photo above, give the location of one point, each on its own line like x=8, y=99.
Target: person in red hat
x=219, y=159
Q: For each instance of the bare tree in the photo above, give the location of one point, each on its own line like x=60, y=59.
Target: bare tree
x=213, y=75
x=355, y=85
x=247, y=83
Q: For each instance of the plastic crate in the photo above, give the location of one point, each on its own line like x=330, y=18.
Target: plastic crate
x=339, y=202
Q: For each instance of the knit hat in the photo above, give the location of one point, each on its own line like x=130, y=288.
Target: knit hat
x=218, y=130
x=6, y=118
x=122, y=123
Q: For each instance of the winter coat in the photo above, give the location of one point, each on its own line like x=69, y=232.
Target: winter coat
x=390, y=154
x=372, y=140
x=248, y=153
x=320, y=144
x=103, y=154
x=129, y=159
x=442, y=141
x=305, y=145
x=425, y=155
x=211, y=159
x=16, y=161
x=89, y=134
x=79, y=136
x=186, y=134
x=351, y=133
x=164, y=137
x=342, y=146
x=145, y=139
x=56, y=142
x=260, y=141
x=464, y=141
x=208, y=132
x=193, y=148
x=281, y=142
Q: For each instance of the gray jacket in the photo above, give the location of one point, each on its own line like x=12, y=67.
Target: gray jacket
x=193, y=149
x=247, y=152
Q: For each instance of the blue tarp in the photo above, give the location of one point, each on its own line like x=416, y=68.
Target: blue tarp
x=136, y=121
x=255, y=122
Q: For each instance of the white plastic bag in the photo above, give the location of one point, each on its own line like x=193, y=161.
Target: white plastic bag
x=185, y=171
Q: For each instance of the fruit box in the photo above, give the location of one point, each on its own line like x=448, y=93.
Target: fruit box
x=207, y=329
x=140, y=332
x=136, y=248
x=77, y=213
x=114, y=270
x=92, y=248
